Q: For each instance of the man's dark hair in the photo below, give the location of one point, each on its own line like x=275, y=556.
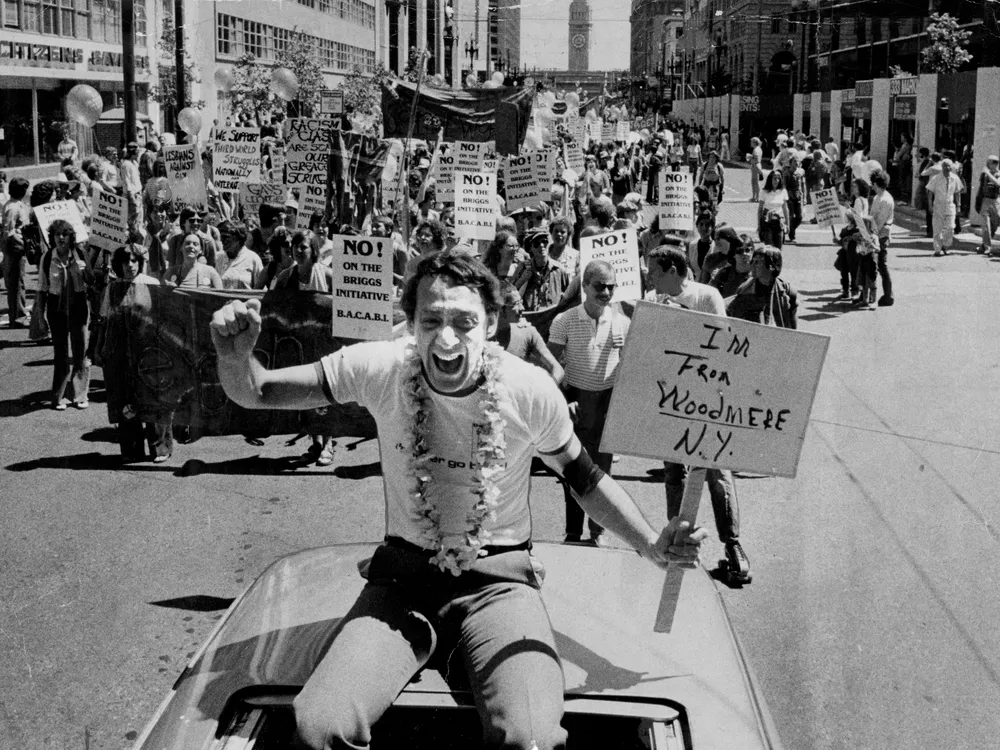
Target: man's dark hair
x=233, y=228
x=864, y=191
x=880, y=179
x=669, y=256
x=18, y=188
x=126, y=252
x=461, y=269
x=561, y=221
x=42, y=192
x=771, y=256
x=269, y=213
x=602, y=213
x=436, y=229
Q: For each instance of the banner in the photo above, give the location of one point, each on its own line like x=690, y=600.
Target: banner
x=464, y=115
x=253, y=196
x=827, y=206
x=520, y=182
x=475, y=205
x=185, y=176
x=713, y=391
x=109, y=222
x=66, y=210
x=236, y=158
x=160, y=361
x=620, y=249
x=676, y=201
x=307, y=149
x=362, y=287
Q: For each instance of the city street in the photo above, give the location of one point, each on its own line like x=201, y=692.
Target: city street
x=870, y=622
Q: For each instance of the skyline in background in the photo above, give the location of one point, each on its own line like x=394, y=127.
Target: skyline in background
x=545, y=34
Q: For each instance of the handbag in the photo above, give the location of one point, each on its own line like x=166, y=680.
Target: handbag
x=38, y=328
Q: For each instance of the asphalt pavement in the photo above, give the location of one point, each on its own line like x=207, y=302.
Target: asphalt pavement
x=870, y=621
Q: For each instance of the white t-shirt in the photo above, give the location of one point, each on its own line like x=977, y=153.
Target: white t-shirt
x=593, y=347
x=373, y=374
x=698, y=297
x=944, y=192
x=774, y=199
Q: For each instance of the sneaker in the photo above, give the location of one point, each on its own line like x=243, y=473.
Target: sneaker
x=885, y=301
x=325, y=457
x=81, y=404
x=160, y=459
x=938, y=253
x=845, y=295
x=59, y=406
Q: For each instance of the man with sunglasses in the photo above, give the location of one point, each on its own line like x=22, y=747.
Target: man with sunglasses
x=588, y=340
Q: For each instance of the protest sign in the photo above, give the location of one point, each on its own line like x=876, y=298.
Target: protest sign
x=574, y=158
x=676, y=201
x=236, y=158
x=705, y=390
x=331, y=102
x=827, y=205
x=307, y=150
x=362, y=287
x=475, y=205
x=390, y=188
x=621, y=131
x=184, y=175
x=621, y=250
x=311, y=198
x=471, y=156
x=46, y=213
x=607, y=132
x=594, y=128
x=444, y=178
x=109, y=222
x=576, y=128
x=252, y=196
x=277, y=171
x=545, y=173
x=519, y=178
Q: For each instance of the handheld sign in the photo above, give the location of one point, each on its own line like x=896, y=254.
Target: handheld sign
x=109, y=223
x=331, y=102
x=443, y=172
x=49, y=212
x=311, y=198
x=253, y=196
x=545, y=173
x=621, y=250
x=475, y=205
x=236, y=158
x=676, y=201
x=184, y=175
x=362, y=287
x=307, y=150
x=472, y=155
x=521, y=183
x=828, y=210
x=709, y=391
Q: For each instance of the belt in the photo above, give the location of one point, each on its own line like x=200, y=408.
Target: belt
x=492, y=549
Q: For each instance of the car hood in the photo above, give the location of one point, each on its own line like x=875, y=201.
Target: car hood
x=603, y=605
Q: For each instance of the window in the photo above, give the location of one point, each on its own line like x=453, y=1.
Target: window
x=225, y=35
x=50, y=17
x=253, y=38
x=835, y=35
x=140, y=25
x=11, y=14
x=114, y=22
x=775, y=24
x=876, y=29
x=860, y=31
x=32, y=16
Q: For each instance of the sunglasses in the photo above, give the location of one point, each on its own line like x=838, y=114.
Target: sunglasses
x=603, y=287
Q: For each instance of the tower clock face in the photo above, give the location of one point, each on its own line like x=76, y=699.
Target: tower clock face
x=579, y=40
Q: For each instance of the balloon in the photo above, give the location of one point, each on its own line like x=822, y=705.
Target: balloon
x=644, y=132
x=223, y=79
x=873, y=165
x=189, y=120
x=545, y=115
x=471, y=81
x=591, y=115
x=158, y=190
x=549, y=98
x=284, y=84
x=491, y=84
x=573, y=99
x=84, y=105
x=498, y=78
x=532, y=139
x=529, y=82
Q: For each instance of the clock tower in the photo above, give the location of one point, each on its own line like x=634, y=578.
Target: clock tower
x=579, y=35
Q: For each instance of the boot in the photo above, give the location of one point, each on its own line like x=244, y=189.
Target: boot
x=737, y=563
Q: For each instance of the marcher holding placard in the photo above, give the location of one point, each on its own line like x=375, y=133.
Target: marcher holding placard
x=668, y=277
x=63, y=278
x=765, y=297
x=588, y=341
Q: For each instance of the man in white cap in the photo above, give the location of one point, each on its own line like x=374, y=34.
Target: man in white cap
x=988, y=201
x=943, y=191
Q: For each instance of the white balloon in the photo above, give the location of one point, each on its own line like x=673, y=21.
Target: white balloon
x=529, y=81
x=573, y=99
x=491, y=84
x=471, y=81
x=545, y=115
x=84, y=104
x=498, y=78
x=284, y=84
x=223, y=79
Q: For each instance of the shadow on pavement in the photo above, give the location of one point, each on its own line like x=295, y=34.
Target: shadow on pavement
x=40, y=363
x=93, y=461
x=362, y=471
x=250, y=466
x=195, y=603
x=18, y=407
x=101, y=435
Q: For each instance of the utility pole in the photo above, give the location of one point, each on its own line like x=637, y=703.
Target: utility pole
x=128, y=66
x=179, y=64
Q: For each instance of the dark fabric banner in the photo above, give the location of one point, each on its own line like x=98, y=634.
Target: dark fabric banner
x=467, y=115
x=158, y=359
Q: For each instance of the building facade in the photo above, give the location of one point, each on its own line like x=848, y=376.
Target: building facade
x=579, y=35
x=49, y=46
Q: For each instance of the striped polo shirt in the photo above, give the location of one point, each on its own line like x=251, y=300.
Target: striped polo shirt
x=592, y=347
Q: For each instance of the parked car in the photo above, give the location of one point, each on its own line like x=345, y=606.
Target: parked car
x=627, y=686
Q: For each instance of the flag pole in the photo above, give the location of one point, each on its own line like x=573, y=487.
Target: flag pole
x=403, y=185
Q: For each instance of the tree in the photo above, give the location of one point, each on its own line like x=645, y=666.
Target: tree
x=251, y=97
x=363, y=93
x=946, y=52
x=165, y=91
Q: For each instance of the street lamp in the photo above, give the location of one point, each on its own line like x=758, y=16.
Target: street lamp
x=472, y=52
x=449, y=42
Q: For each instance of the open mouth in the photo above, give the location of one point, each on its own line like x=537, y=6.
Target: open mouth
x=448, y=364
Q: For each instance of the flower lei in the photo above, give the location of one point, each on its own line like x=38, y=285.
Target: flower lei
x=490, y=460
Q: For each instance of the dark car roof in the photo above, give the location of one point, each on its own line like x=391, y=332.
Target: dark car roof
x=603, y=604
